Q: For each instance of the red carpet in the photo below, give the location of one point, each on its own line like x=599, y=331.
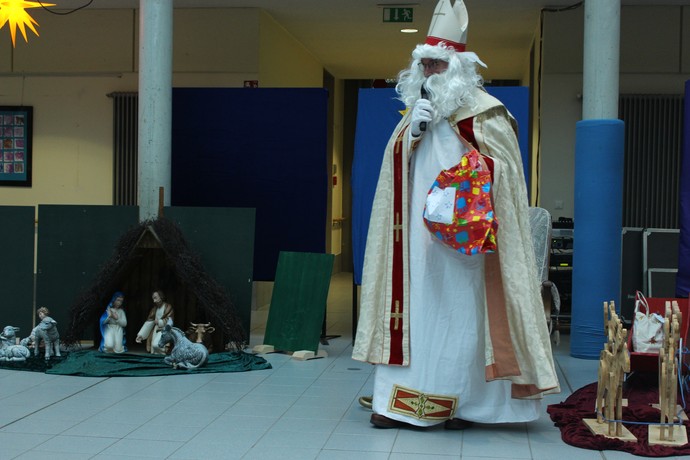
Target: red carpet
x=640, y=390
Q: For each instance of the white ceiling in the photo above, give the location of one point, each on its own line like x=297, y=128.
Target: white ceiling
x=351, y=40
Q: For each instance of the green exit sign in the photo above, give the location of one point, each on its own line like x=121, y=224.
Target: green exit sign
x=397, y=15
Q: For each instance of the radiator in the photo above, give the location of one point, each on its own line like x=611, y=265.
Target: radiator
x=653, y=130
x=125, y=148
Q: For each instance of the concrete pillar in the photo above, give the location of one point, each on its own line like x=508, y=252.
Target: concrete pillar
x=155, y=104
x=601, y=59
x=599, y=147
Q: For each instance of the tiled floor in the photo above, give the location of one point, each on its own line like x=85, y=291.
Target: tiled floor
x=297, y=410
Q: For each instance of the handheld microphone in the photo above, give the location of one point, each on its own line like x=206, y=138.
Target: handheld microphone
x=425, y=94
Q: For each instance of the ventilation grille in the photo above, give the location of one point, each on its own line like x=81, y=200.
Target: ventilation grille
x=125, y=148
x=653, y=129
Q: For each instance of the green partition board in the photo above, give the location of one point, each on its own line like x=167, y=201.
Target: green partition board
x=74, y=241
x=298, y=303
x=17, y=267
x=224, y=239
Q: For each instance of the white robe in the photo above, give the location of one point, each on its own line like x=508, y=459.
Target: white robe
x=152, y=328
x=113, y=331
x=447, y=307
x=496, y=309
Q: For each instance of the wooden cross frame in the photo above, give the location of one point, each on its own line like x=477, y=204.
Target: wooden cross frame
x=614, y=363
x=664, y=433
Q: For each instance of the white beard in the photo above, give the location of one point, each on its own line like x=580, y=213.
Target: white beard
x=447, y=91
x=447, y=102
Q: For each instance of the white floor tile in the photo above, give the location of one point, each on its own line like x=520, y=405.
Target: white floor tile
x=436, y=442
x=293, y=439
x=564, y=451
x=296, y=410
x=142, y=448
x=22, y=441
x=234, y=438
x=305, y=425
x=361, y=443
x=210, y=451
x=36, y=425
x=101, y=429
x=7, y=453
x=316, y=412
x=280, y=453
x=45, y=455
x=75, y=444
x=260, y=410
x=170, y=431
x=353, y=455
x=404, y=456
x=234, y=422
x=495, y=442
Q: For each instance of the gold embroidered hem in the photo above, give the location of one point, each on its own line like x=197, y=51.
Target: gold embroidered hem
x=413, y=403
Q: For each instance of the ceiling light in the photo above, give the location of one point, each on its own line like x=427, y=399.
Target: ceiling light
x=13, y=12
x=409, y=31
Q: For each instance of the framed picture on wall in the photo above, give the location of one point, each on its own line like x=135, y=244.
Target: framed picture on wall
x=16, y=123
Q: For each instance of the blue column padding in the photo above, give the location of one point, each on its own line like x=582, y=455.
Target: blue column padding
x=597, y=235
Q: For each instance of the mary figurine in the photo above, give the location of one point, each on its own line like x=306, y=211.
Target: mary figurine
x=113, y=322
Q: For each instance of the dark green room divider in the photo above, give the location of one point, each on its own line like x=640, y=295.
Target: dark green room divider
x=298, y=304
x=17, y=267
x=224, y=239
x=73, y=242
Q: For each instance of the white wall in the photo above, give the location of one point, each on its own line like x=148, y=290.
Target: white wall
x=655, y=59
x=72, y=141
x=67, y=73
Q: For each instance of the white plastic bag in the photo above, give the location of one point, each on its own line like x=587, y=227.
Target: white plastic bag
x=440, y=205
x=648, y=329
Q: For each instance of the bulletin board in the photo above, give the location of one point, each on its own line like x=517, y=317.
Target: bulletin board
x=16, y=124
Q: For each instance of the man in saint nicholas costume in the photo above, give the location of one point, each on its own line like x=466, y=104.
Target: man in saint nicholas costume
x=456, y=338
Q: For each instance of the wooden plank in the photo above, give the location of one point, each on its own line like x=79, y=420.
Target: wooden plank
x=680, y=436
x=603, y=429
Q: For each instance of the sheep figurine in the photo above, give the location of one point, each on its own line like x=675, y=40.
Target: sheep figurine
x=9, y=351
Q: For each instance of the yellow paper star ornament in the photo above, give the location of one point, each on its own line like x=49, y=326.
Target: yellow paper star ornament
x=14, y=13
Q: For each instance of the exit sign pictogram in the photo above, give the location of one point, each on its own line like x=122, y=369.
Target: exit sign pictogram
x=397, y=14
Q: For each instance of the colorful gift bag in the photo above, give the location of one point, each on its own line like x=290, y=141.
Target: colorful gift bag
x=459, y=211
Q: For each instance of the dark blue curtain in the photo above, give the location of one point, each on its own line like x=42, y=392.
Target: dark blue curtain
x=256, y=148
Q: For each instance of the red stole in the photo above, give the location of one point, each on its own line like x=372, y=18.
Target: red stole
x=398, y=302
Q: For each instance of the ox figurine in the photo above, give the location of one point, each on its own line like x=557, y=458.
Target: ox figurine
x=184, y=353
x=201, y=333
x=9, y=351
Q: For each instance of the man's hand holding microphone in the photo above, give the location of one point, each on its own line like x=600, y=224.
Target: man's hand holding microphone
x=422, y=114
